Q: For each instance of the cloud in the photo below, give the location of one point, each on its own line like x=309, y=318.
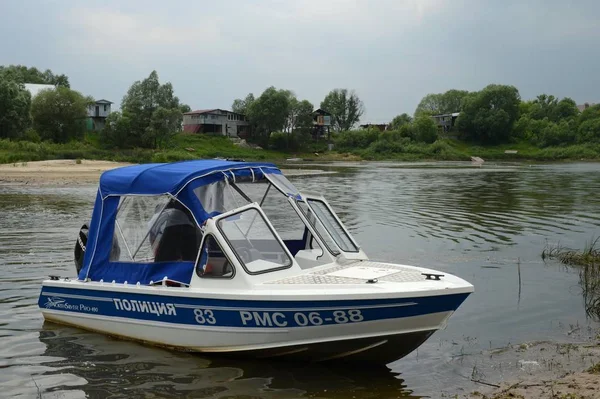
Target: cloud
x=104, y=32
x=392, y=52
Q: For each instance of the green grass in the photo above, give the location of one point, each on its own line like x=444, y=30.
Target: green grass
x=447, y=149
x=527, y=151
x=187, y=146
x=183, y=147
x=459, y=150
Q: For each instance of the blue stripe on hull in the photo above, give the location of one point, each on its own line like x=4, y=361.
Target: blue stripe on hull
x=240, y=313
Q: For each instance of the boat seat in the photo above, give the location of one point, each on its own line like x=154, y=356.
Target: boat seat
x=178, y=243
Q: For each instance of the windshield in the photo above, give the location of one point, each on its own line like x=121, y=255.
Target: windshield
x=332, y=225
x=283, y=184
x=319, y=228
x=253, y=241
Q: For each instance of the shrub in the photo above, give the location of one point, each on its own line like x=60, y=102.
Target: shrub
x=284, y=141
x=389, y=146
x=557, y=134
x=592, y=112
x=589, y=131
x=425, y=129
x=356, y=139
x=31, y=135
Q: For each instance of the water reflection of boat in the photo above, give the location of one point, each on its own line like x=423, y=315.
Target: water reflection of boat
x=98, y=366
x=185, y=255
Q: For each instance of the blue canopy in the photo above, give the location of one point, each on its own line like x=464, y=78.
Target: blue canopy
x=162, y=178
x=178, y=179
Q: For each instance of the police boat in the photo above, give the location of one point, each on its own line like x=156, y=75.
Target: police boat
x=228, y=257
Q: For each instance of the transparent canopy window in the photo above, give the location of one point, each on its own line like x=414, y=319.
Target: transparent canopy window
x=154, y=229
x=221, y=196
x=226, y=195
x=252, y=240
x=332, y=225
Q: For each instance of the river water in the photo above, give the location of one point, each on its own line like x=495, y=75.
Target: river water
x=486, y=224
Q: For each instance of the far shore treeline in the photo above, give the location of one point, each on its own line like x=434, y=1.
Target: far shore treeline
x=147, y=128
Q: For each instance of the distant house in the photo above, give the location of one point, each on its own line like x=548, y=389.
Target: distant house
x=379, y=126
x=321, y=123
x=218, y=121
x=585, y=106
x=445, y=122
x=97, y=114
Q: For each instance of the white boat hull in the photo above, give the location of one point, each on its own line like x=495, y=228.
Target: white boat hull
x=368, y=329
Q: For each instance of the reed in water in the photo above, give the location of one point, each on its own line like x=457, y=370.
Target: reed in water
x=588, y=262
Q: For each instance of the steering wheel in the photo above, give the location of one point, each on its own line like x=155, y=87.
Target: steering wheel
x=244, y=253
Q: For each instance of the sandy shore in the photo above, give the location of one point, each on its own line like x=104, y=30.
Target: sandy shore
x=63, y=172
x=56, y=171
x=539, y=370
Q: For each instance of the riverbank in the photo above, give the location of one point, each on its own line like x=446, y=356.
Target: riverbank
x=539, y=370
x=185, y=147
x=456, y=150
x=81, y=171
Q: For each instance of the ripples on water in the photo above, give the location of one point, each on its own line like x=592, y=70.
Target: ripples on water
x=477, y=223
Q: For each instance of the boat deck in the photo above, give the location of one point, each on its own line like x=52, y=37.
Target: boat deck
x=358, y=272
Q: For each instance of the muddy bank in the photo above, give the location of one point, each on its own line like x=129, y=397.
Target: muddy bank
x=537, y=370
x=66, y=172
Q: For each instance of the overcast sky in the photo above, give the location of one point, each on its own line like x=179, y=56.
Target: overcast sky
x=392, y=52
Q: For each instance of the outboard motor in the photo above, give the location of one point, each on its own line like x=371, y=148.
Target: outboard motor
x=80, y=244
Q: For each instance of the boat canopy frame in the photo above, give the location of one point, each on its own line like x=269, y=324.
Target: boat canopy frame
x=176, y=180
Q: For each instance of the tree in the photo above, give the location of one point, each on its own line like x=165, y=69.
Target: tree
x=548, y=106
x=164, y=124
x=153, y=113
x=298, y=123
x=565, y=109
x=452, y=101
x=488, y=116
x=400, y=120
x=117, y=131
x=300, y=115
x=589, y=131
x=269, y=112
x=431, y=104
x=345, y=107
x=240, y=106
x=15, y=102
x=592, y=112
x=59, y=114
x=424, y=129
x=304, y=118
x=442, y=103
x=543, y=106
x=183, y=108
x=22, y=74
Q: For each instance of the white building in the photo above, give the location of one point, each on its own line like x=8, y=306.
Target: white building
x=97, y=113
x=217, y=121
